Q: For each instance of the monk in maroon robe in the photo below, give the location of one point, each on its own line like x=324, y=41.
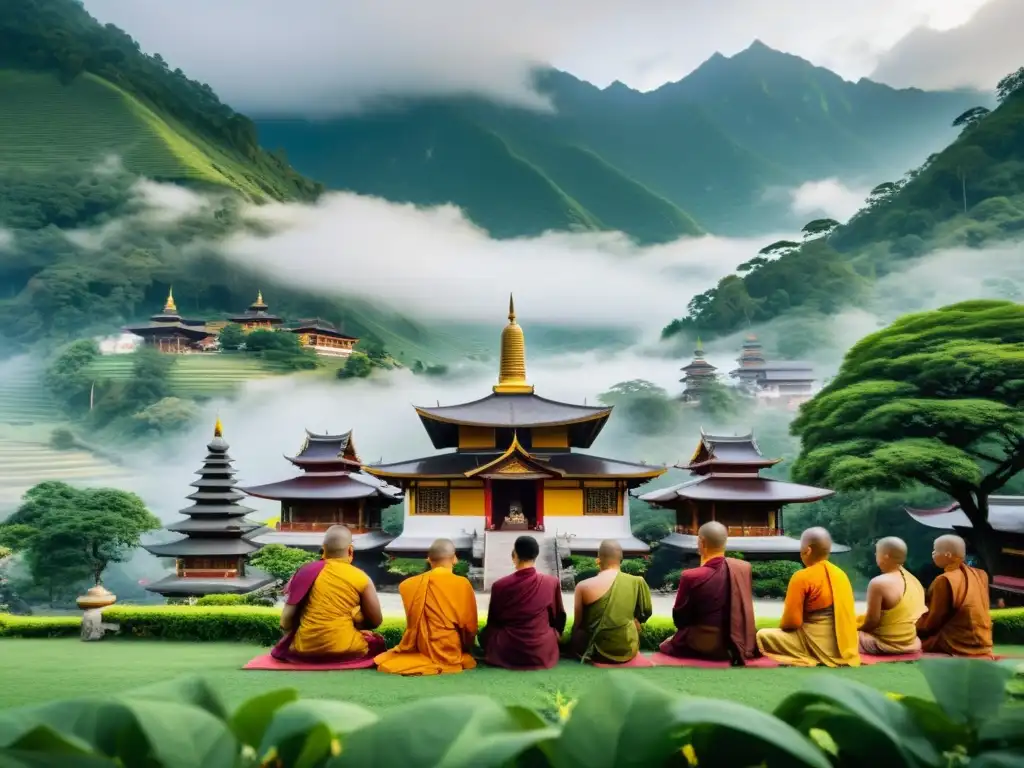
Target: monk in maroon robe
x=525, y=619
x=714, y=608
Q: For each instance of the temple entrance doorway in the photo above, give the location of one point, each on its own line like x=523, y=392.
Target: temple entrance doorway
x=514, y=505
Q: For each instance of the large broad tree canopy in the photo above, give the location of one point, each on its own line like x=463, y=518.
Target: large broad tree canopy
x=934, y=399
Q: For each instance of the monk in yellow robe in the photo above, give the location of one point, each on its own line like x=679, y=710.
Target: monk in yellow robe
x=330, y=606
x=609, y=611
x=958, y=621
x=895, y=603
x=441, y=620
x=819, y=621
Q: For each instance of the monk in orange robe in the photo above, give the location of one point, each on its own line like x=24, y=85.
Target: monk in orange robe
x=714, y=608
x=441, y=620
x=958, y=621
x=329, y=607
x=819, y=620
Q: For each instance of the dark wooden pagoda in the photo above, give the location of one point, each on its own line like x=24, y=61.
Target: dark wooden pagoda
x=1006, y=516
x=332, y=490
x=210, y=558
x=727, y=486
x=256, y=317
x=697, y=375
x=167, y=331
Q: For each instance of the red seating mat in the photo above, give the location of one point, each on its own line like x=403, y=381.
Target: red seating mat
x=664, y=660
x=637, y=661
x=267, y=662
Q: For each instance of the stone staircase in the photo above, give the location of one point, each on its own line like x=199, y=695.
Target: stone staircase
x=498, y=554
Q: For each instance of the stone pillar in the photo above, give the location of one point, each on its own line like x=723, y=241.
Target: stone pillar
x=93, y=602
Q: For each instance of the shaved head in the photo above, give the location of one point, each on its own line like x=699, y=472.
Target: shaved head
x=337, y=540
x=610, y=552
x=441, y=552
x=818, y=541
x=951, y=544
x=894, y=547
x=714, y=535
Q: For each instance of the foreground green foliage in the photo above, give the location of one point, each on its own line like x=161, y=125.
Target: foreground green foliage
x=629, y=722
x=934, y=399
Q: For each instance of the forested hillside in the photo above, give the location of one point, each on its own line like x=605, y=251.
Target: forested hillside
x=970, y=195
x=713, y=150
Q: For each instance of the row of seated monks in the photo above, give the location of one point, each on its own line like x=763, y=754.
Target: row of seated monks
x=332, y=607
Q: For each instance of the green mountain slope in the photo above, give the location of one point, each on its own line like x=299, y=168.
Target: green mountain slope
x=971, y=194
x=717, y=146
x=74, y=90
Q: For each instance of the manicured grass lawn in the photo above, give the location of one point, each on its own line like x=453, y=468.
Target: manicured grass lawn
x=35, y=671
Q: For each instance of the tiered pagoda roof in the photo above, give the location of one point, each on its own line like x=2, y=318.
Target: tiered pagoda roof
x=257, y=312
x=215, y=526
x=754, y=367
x=727, y=470
x=169, y=320
x=698, y=373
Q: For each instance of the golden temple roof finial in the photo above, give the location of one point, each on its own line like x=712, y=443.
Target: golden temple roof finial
x=170, y=306
x=259, y=297
x=512, y=369
x=218, y=428
x=700, y=345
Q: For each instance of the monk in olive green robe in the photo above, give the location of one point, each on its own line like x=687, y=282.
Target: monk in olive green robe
x=609, y=611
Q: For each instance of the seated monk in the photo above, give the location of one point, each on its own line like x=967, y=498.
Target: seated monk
x=895, y=603
x=957, y=621
x=714, y=608
x=329, y=605
x=609, y=609
x=441, y=622
x=819, y=621
x=525, y=619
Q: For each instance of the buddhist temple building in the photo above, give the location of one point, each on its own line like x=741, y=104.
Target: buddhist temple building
x=168, y=332
x=256, y=317
x=210, y=557
x=323, y=338
x=697, y=375
x=330, y=490
x=727, y=486
x=773, y=382
x=512, y=462
x=1006, y=516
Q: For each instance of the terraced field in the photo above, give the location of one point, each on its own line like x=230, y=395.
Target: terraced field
x=28, y=416
x=207, y=375
x=45, y=125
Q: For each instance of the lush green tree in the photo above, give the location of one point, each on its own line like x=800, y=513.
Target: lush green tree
x=280, y=561
x=971, y=117
x=358, y=366
x=231, y=337
x=166, y=416
x=935, y=399
x=647, y=408
x=1010, y=84
x=77, y=532
x=819, y=228
x=67, y=376
x=282, y=349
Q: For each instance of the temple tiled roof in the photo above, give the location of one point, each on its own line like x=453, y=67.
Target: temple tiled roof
x=718, y=488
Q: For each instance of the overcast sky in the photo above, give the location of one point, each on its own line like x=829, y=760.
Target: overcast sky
x=331, y=55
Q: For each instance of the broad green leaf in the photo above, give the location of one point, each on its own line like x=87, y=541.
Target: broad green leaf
x=14, y=758
x=310, y=722
x=970, y=691
x=1000, y=759
x=186, y=690
x=1005, y=729
x=45, y=739
x=251, y=720
x=184, y=736
x=450, y=732
x=727, y=734
x=933, y=720
x=106, y=726
x=889, y=726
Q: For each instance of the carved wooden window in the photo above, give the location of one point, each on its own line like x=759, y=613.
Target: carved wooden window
x=600, y=501
x=432, y=501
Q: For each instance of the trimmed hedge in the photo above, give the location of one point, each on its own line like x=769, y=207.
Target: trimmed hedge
x=251, y=624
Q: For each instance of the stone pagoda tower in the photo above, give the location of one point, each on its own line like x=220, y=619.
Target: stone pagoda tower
x=210, y=558
x=697, y=375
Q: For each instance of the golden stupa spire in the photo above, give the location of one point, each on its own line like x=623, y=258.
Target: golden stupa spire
x=218, y=428
x=170, y=307
x=512, y=370
x=259, y=297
